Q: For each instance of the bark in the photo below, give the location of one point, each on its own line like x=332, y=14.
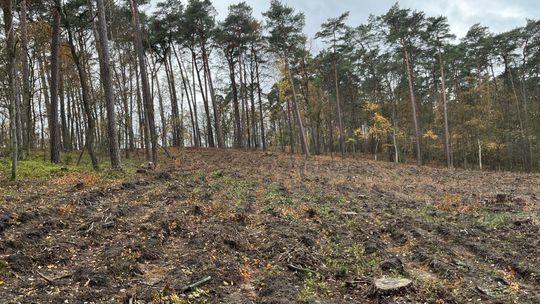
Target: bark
x=296, y=109
x=243, y=115
x=414, y=110
x=340, y=120
x=259, y=94
x=66, y=141
x=147, y=101
x=85, y=91
x=217, y=115
x=252, y=99
x=27, y=97
x=10, y=45
x=236, y=106
x=176, y=119
x=194, y=99
x=105, y=73
x=210, y=133
x=162, y=116
x=187, y=90
x=445, y=109
x=55, y=60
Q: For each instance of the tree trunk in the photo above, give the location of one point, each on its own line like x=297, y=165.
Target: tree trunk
x=303, y=140
x=105, y=72
x=27, y=97
x=147, y=100
x=83, y=79
x=259, y=93
x=176, y=118
x=162, y=115
x=340, y=121
x=10, y=45
x=236, y=106
x=187, y=90
x=414, y=110
x=479, y=154
x=55, y=59
x=252, y=99
x=217, y=115
x=210, y=133
x=194, y=98
x=66, y=141
x=445, y=109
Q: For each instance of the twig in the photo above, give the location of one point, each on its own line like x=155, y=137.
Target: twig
x=91, y=227
x=289, y=251
x=108, y=224
x=196, y=284
x=166, y=151
x=302, y=269
x=49, y=280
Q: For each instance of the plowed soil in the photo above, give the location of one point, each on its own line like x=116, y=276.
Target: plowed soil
x=271, y=228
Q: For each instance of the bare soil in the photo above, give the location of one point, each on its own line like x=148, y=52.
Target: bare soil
x=271, y=228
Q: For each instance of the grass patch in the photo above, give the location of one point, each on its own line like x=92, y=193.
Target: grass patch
x=314, y=287
x=38, y=166
x=495, y=220
x=276, y=194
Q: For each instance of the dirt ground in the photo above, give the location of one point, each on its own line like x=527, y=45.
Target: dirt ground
x=271, y=228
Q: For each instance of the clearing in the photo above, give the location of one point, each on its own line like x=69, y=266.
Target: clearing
x=270, y=228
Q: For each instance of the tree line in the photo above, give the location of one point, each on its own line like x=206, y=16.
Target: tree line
x=104, y=76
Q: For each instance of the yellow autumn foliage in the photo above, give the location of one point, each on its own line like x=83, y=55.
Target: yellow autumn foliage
x=431, y=135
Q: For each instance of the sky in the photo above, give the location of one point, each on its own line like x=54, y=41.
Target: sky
x=499, y=15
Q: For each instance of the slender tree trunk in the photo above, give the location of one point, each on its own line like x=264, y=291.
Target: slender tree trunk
x=194, y=98
x=236, y=106
x=340, y=120
x=66, y=142
x=394, y=120
x=252, y=99
x=243, y=115
x=291, y=128
x=45, y=92
x=105, y=72
x=414, y=110
x=162, y=116
x=55, y=60
x=445, y=109
x=147, y=101
x=303, y=140
x=83, y=79
x=187, y=90
x=215, y=108
x=259, y=94
x=176, y=119
x=479, y=154
x=210, y=133
x=9, y=31
x=27, y=97
x=524, y=137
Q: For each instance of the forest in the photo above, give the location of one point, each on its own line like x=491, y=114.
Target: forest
x=158, y=152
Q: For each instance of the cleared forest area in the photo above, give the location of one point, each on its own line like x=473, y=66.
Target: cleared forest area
x=228, y=226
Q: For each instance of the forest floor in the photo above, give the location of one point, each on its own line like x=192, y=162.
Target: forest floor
x=269, y=228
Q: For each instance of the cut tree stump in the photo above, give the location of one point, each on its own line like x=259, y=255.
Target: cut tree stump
x=388, y=286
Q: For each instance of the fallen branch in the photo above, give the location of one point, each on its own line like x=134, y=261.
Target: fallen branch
x=49, y=280
x=166, y=151
x=196, y=284
x=52, y=280
x=91, y=227
x=301, y=269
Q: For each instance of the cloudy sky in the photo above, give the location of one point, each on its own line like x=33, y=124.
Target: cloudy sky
x=499, y=15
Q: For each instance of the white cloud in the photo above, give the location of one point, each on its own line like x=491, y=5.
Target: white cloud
x=499, y=15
